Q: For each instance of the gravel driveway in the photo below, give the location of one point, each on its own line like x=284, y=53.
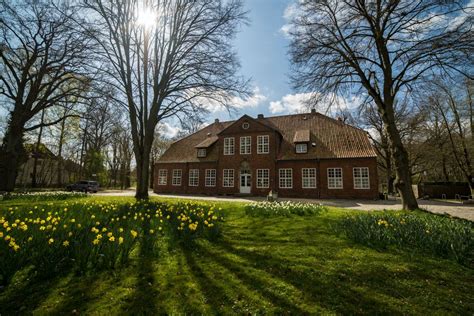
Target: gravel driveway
x=453, y=209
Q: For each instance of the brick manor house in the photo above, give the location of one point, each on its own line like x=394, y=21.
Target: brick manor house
x=304, y=155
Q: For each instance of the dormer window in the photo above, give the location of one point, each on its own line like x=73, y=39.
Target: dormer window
x=201, y=152
x=302, y=148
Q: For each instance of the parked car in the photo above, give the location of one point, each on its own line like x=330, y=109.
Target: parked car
x=84, y=186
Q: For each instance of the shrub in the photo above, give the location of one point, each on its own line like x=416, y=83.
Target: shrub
x=94, y=235
x=437, y=235
x=287, y=208
x=42, y=196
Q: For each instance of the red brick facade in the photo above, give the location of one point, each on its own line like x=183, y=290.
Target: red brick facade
x=183, y=155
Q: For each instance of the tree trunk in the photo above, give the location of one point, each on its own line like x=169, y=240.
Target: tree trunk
x=142, y=177
x=402, y=170
x=12, y=154
x=400, y=157
x=152, y=172
x=36, y=153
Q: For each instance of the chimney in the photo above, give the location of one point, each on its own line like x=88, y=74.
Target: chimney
x=260, y=116
x=313, y=111
x=216, y=121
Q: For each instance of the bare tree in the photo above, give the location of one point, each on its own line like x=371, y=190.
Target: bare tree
x=383, y=49
x=42, y=57
x=454, y=105
x=165, y=56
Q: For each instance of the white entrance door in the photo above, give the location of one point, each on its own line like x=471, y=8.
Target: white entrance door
x=245, y=183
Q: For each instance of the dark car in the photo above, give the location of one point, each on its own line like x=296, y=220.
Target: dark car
x=84, y=186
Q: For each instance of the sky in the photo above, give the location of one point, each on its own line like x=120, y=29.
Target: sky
x=262, y=48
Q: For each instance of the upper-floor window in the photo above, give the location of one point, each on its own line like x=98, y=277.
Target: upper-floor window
x=308, y=178
x=245, y=125
x=162, y=176
x=361, y=178
x=334, y=178
x=201, y=152
x=228, y=178
x=286, y=178
x=263, y=144
x=245, y=145
x=301, y=148
x=193, y=177
x=229, y=145
x=263, y=178
x=176, y=179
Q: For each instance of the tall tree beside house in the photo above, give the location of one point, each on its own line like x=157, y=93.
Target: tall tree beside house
x=164, y=56
x=42, y=58
x=381, y=49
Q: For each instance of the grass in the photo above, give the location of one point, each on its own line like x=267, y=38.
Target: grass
x=279, y=265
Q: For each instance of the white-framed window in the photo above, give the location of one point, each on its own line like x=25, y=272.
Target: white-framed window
x=361, y=178
x=201, y=152
x=308, y=176
x=334, y=178
x=301, y=148
x=245, y=125
x=210, y=178
x=176, y=180
x=193, y=177
x=263, y=178
x=229, y=143
x=228, y=178
x=162, y=176
x=285, y=178
x=245, y=145
x=263, y=144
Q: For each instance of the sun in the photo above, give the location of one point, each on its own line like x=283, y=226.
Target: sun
x=146, y=17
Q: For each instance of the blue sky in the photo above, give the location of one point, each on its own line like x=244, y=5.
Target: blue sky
x=262, y=49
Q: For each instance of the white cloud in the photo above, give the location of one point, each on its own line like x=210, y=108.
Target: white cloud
x=290, y=103
x=298, y=103
x=168, y=130
x=254, y=100
x=290, y=13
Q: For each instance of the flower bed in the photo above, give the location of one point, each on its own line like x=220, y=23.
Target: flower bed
x=42, y=196
x=287, y=208
x=93, y=235
x=437, y=235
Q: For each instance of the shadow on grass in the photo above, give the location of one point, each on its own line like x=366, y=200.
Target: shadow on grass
x=212, y=290
x=333, y=292
x=31, y=285
x=143, y=299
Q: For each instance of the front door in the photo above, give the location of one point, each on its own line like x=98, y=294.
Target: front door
x=245, y=183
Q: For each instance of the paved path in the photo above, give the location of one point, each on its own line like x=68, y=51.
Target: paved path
x=454, y=209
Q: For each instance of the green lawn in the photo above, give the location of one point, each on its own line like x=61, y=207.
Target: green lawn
x=296, y=265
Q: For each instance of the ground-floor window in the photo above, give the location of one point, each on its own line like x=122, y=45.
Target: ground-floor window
x=228, y=178
x=176, y=180
x=210, y=178
x=286, y=178
x=361, y=178
x=193, y=177
x=263, y=178
x=309, y=178
x=162, y=176
x=334, y=178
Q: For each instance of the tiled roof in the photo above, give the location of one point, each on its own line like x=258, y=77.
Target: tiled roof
x=210, y=140
x=328, y=138
x=302, y=136
x=184, y=150
x=332, y=138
